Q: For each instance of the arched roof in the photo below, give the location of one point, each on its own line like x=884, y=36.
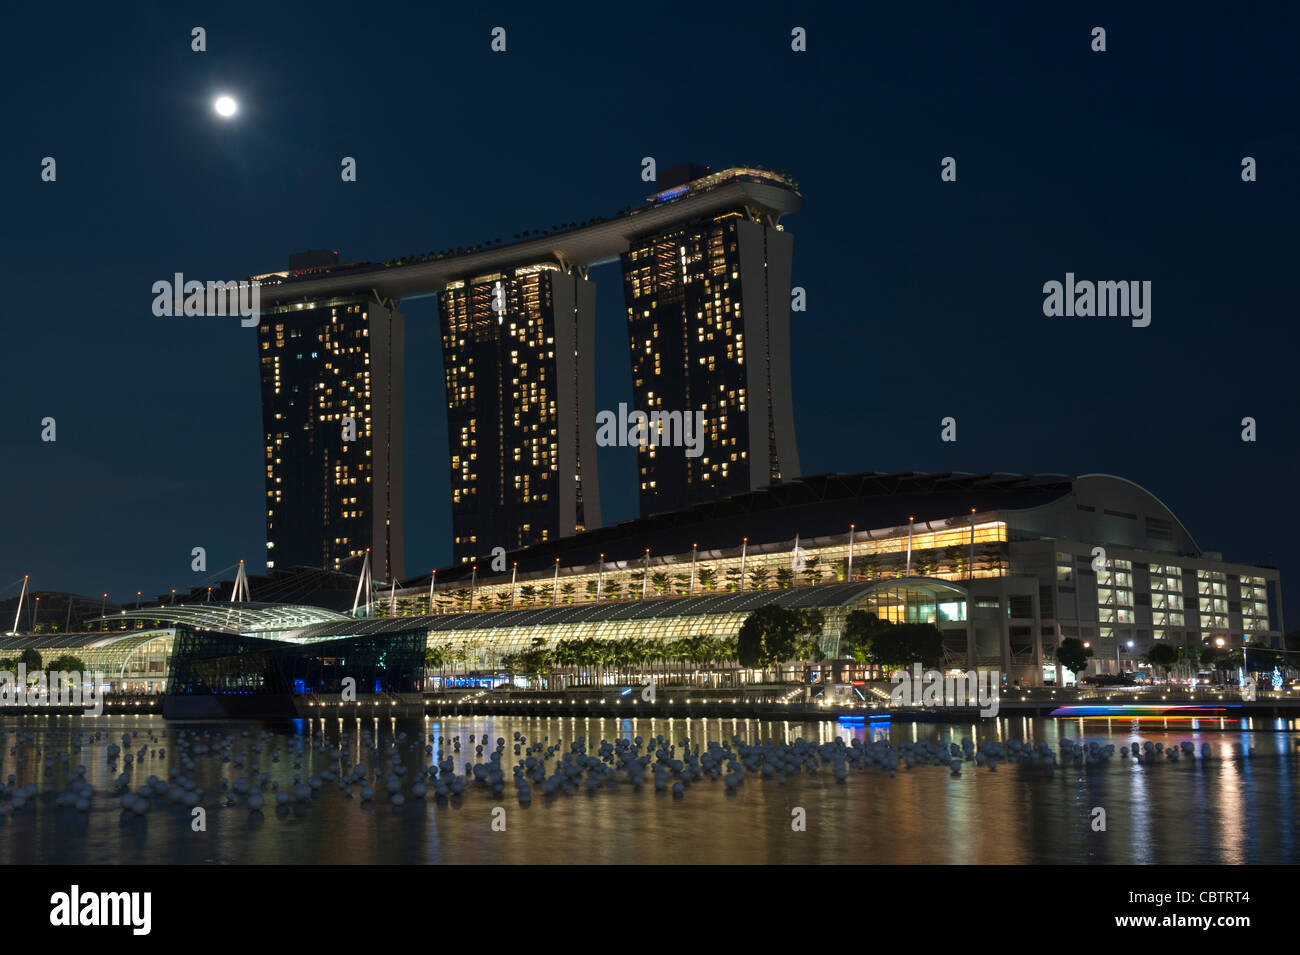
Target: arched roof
x=77, y=641
x=1163, y=506
x=243, y=618
x=825, y=597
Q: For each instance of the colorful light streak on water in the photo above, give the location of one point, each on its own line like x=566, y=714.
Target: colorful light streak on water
x=1145, y=711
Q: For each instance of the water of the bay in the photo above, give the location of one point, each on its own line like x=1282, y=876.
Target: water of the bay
x=1227, y=809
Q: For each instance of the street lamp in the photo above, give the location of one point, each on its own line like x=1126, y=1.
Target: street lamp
x=1119, y=665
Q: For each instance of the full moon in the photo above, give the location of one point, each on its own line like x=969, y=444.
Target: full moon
x=225, y=106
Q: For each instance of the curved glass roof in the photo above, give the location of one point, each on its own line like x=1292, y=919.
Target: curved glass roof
x=830, y=596
x=77, y=641
x=242, y=618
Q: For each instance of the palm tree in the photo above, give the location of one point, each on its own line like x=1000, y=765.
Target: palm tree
x=643, y=653
x=567, y=589
x=435, y=657
x=511, y=662
x=683, y=651
x=659, y=581
x=812, y=567
x=704, y=650
x=564, y=655
x=727, y=649
x=588, y=655
x=527, y=595
x=758, y=578
x=708, y=578
x=625, y=653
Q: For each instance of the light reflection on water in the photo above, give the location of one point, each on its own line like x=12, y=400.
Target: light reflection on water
x=1227, y=810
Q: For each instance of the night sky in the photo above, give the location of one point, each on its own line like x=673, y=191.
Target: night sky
x=924, y=297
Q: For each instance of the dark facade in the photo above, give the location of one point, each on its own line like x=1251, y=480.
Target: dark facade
x=329, y=500
x=708, y=305
x=214, y=674
x=517, y=355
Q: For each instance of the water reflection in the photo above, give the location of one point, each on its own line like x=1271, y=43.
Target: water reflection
x=1230, y=809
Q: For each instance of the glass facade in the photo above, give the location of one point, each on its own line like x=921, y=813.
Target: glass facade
x=1167, y=611
x=206, y=663
x=131, y=661
x=686, y=331
x=943, y=554
x=1254, y=603
x=1212, y=600
x=481, y=640
x=707, y=320
x=1115, y=592
x=331, y=393
x=510, y=356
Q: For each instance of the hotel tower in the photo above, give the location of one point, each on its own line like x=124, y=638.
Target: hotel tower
x=332, y=396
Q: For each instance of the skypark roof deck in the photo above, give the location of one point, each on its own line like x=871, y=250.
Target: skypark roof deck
x=762, y=194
